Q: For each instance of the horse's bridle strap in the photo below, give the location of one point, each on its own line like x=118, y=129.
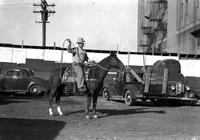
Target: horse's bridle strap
x=102, y=67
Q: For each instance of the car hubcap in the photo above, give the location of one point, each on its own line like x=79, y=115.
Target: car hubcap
x=128, y=97
x=35, y=90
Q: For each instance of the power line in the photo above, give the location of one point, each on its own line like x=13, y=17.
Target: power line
x=45, y=13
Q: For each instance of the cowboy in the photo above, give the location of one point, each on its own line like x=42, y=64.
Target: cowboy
x=79, y=56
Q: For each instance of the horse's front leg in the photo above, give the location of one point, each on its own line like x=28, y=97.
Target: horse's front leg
x=95, y=97
x=89, y=98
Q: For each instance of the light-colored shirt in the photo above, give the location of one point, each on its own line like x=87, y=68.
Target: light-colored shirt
x=79, y=55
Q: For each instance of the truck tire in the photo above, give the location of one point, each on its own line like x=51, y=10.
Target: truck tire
x=129, y=100
x=105, y=94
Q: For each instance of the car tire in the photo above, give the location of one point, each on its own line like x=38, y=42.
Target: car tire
x=195, y=103
x=35, y=90
x=129, y=100
x=105, y=94
x=157, y=101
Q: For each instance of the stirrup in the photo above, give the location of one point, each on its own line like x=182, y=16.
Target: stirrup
x=82, y=89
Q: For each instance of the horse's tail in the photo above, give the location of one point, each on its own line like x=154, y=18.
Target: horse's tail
x=46, y=94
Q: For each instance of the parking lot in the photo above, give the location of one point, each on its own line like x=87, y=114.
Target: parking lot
x=23, y=117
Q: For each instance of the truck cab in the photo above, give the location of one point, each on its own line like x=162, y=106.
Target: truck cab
x=160, y=82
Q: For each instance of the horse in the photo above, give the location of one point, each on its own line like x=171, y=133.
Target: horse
x=94, y=78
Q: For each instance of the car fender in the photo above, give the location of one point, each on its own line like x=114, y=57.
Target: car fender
x=30, y=84
x=135, y=91
x=36, y=80
x=110, y=89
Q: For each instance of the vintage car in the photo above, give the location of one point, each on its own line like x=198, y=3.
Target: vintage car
x=159, y=83
x=22, y=81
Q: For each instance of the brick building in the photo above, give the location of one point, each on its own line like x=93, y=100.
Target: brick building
x=171, y=26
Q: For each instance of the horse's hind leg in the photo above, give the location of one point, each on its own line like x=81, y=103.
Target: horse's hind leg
x=95, y=97
x=58, y=105
x=89, y=98
x=51, y=96
x=58, y=95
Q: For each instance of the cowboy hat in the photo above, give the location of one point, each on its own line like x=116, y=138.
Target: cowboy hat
x=80, y=40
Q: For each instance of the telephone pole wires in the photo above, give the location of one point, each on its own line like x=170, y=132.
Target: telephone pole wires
x=45, y=13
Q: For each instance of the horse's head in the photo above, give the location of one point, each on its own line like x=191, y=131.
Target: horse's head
x=115, y=62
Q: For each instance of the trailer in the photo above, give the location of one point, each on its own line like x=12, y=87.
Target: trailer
x=159, y=83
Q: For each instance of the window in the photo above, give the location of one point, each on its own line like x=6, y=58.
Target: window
x=12, y=74
x=197, y=8
x=186, y=8
x=181, y=14
x=181, y=10
x=198, y=42
x=186, y=12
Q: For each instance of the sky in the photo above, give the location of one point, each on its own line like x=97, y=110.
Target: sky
x=104, y=24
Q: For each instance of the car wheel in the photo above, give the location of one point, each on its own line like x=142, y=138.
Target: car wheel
x=35, y=90
x=105, y=94
x=195, y=103
x=159, y=102
x=128, y=98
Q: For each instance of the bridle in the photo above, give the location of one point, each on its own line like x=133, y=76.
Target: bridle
x=102, y=67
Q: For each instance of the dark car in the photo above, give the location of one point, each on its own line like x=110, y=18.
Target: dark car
x=23, y=81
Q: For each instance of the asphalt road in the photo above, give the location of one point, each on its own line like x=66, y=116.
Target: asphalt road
x=27, y=118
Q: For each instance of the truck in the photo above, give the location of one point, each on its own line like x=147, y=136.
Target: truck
x=159, y=83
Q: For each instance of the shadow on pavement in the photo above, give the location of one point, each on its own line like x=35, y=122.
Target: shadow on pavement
x=26, y=129
x=6, y=99
x=9, y=100
x=113, y=112
x=158, y=104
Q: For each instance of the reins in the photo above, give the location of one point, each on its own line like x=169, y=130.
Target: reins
x=96, y=64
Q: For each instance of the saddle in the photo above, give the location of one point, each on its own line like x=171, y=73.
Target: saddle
x=70, y=76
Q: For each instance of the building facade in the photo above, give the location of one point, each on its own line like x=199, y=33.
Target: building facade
x=171, y=26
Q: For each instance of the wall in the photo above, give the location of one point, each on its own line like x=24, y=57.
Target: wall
x=172, y=45
x=188, y=21
x=189, y=68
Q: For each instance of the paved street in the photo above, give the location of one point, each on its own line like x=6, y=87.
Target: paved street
x=26, y=118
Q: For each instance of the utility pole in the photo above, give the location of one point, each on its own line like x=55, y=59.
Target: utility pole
x=45, y=13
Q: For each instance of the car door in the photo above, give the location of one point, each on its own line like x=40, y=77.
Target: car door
x=118, y=84
x=10, y=80
x=23, y=80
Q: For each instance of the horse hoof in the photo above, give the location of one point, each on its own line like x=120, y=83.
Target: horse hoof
x=50, y=114
x=95, y=116
x=59, y=111
x=60, y=114
x=87, y=117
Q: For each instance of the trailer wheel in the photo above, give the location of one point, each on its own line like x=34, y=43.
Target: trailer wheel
x=105, y=94
x=128, y=98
